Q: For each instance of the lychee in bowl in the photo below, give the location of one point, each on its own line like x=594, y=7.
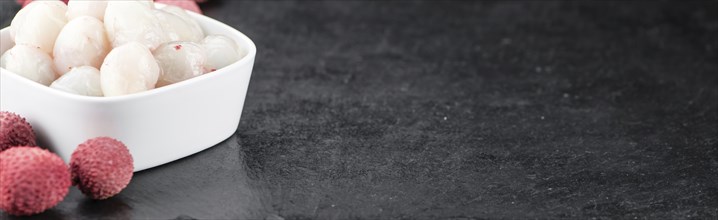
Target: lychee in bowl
x=158, y=126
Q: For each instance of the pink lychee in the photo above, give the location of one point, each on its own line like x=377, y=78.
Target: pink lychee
x=101, y=167
x=15, y=131
x=31, y=180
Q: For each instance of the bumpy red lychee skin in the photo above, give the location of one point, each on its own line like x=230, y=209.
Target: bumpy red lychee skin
x=101, y=167
x=32, y=180
x=15, y=131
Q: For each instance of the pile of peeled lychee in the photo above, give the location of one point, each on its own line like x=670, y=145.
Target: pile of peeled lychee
x=112, y=48
x=33, y=179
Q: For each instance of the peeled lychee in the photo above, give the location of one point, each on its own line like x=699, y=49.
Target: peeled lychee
x=221, y=51
x=77, y=8
x=15, y=131
x=133, y=21
x=84, y=80
x=176, y=28
x=179, y=60
x=101, y=167
x=38, y=24
x=82, y=42
x=31, y=180
x=30, y=63
x=128, y=69
x=190, y=30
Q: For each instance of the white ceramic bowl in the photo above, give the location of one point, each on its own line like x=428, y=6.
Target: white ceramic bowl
x=158, y=126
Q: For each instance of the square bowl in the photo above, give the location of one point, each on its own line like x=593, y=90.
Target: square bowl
x=158, y=126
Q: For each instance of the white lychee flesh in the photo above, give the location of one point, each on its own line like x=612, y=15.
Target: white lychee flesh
x=82, y=42
x=29, y=62
x=84, y=80
x=128, y=21
x=176, y=28
x=179, y=61
x=77, y=8
x=38, y=24
x=128, y=69
x=221, y=51
x=194, y=31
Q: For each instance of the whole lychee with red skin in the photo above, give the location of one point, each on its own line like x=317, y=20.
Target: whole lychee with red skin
x=101, y=167
x=32, y=180
x=15, y=131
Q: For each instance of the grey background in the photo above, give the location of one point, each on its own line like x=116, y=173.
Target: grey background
x=454, y=110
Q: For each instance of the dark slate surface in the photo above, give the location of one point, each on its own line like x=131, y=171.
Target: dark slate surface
x=454, y=110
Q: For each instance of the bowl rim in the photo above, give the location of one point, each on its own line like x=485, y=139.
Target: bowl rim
x=248, y=59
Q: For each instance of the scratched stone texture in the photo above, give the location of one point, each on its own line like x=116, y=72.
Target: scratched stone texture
x=454, y=110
